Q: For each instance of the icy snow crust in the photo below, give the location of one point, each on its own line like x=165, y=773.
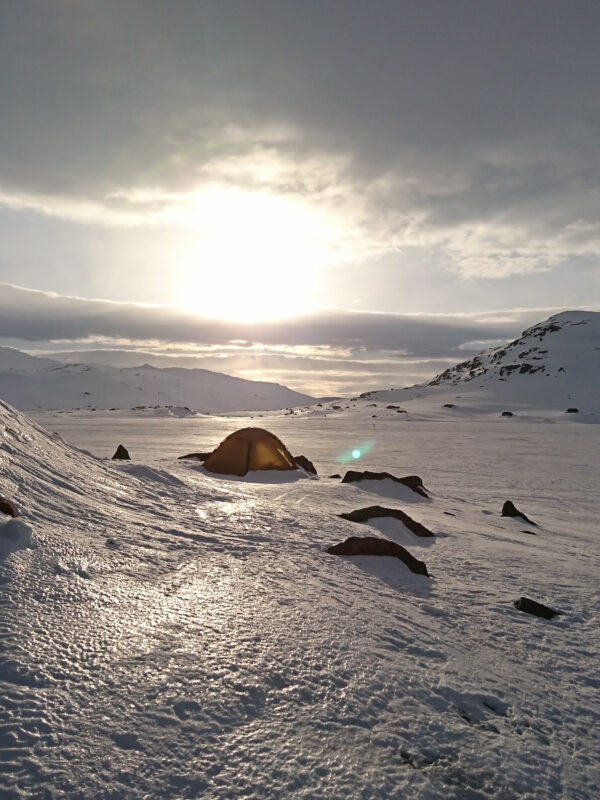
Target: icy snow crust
x=165, y=633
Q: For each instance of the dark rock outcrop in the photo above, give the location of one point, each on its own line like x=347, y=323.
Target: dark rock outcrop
x=374, y=512
x=374, y=546
x=6, y=507
x=535, y=608
x=335, y=475
x=507, y=414
x=412, y=481
x=572, y=410
x=121, y=453
x=510, y=510
x=305, y=464
x=199, y=456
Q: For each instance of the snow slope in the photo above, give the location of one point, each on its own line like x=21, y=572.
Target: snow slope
x=553, y=366
x=566, y=347
x=31, y=383
x=168, y=633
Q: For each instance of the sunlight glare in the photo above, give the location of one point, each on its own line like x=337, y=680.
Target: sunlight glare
x=256, y=256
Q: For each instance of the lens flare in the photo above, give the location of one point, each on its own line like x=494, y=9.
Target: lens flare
x=356, y=452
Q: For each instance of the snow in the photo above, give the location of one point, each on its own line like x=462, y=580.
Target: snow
x=178, y=634
x=28, y=383
x=14, y=535
x=166, y=632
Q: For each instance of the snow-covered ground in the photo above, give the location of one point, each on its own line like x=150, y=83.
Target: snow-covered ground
x=167, y=633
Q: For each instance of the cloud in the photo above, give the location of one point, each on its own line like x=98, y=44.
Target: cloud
x=429, y=125
x=35, y=316
x=328, y=351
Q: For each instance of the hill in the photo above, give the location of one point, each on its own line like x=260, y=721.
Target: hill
x=554, y=365
x=31, y=383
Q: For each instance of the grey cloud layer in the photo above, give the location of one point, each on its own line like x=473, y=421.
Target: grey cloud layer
x=38, y=316
x=474, y=125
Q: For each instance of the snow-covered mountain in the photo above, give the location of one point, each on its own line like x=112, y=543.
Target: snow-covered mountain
x=566, y=346
x=31, y=383
x=552, y=365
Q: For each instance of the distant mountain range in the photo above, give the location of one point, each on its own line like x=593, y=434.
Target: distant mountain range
x=554, y=364
x=31, y=383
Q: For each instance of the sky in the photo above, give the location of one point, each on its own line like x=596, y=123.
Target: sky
x=337, y=195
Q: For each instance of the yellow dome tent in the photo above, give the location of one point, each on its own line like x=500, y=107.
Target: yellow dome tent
x=249, y=449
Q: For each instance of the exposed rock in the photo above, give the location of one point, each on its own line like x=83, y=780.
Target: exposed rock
x=121, y=453
x=199, y=456
x=412, y=481
x=374, y=512
x=533, y=607
x=449, y=405
x=305, y=464
x=507, y=414
x=374, y=546
x=510, y=510
x=6, y=507
x=335, y=475
x=572, y=410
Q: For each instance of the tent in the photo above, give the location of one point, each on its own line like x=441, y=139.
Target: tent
x=249, y=449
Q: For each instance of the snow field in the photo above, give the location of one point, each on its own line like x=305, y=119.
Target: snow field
x=177, y=634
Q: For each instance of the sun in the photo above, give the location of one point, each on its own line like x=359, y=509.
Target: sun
x=255, y=256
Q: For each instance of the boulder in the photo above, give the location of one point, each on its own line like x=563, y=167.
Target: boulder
x=507, y=414
x=6, y=507
x=305, y=464
x=373, y=512
x=121, y=453
x=535, y=608
x=199, y=456
x=412, y=481
x=572, y=410
x=335, y=475
x=510, y=510
x=374, y=546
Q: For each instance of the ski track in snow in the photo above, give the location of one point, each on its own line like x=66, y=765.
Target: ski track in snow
x=167, y=633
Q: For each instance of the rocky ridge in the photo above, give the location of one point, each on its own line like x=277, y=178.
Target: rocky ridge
x=548, y=348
